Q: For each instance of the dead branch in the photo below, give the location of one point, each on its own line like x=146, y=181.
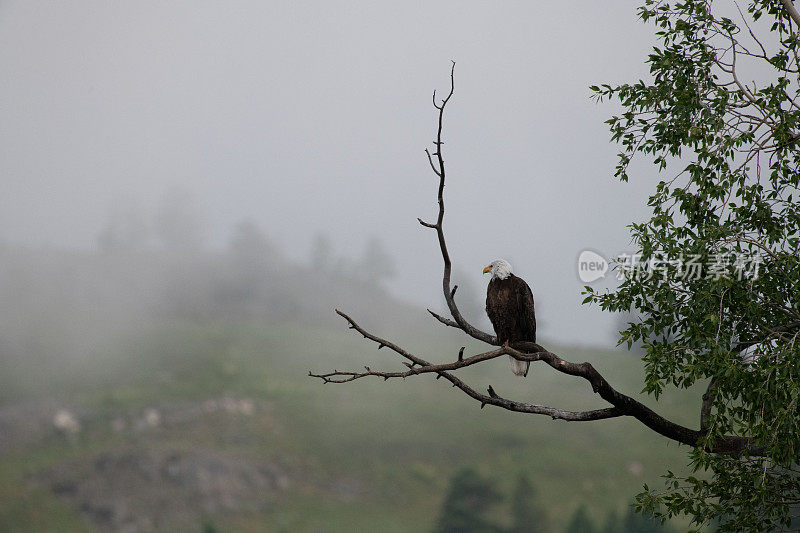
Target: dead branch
x=621, y=404
x=441, y=173
x=417, y=366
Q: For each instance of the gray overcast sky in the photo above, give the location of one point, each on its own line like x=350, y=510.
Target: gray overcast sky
x=306, y=116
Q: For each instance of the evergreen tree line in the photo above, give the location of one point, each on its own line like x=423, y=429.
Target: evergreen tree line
x=473, y=501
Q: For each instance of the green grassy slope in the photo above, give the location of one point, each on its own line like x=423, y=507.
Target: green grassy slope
x=367, y=455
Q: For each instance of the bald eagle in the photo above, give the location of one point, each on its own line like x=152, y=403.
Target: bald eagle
x=509, y=304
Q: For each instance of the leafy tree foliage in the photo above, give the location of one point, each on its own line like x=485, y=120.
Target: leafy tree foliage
x=720, y=119
x=467, y=504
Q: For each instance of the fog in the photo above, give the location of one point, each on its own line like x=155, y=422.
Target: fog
x=310, y=118
x=190, y=188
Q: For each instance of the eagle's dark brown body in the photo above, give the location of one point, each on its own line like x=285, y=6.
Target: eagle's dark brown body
x=509, y=304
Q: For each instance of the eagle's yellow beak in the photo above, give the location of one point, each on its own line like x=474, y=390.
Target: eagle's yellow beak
x=487, y=269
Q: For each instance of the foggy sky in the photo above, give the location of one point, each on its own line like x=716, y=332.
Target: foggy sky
x=309, y=116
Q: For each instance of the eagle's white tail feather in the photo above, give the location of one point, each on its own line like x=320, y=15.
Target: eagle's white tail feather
x=519, y=368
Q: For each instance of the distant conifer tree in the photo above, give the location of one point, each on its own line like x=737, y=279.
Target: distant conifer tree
x=580, y=522
x=527, y=515
x=467, y=504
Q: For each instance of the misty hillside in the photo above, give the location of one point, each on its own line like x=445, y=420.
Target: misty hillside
x=65, y=305
x=153, y=388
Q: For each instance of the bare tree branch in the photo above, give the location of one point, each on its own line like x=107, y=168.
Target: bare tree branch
x=791, y=327
x=430, y=160
x=421, y=366
x=621, y=404
x=461, y=322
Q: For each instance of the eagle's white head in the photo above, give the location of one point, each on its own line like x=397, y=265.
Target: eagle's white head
x=500, y=268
